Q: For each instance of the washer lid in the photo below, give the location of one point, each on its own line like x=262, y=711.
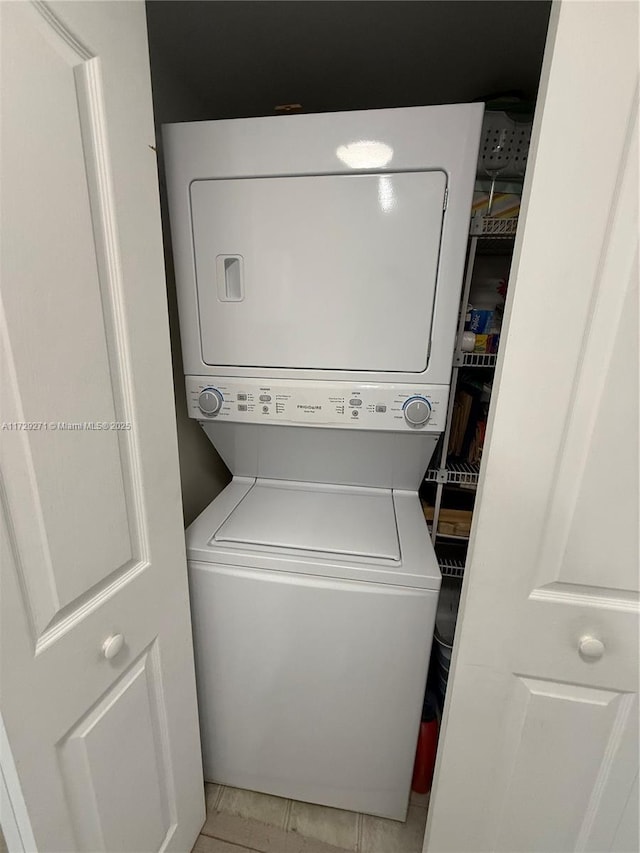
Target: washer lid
x=310, y=517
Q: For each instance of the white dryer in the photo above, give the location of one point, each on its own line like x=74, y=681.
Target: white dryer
x=319, y=262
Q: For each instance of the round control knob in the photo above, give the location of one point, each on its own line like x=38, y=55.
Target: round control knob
x=590, y=648
x=210, y=401
x=417, y=411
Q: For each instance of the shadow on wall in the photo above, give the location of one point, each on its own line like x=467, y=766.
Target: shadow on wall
x=203, y=474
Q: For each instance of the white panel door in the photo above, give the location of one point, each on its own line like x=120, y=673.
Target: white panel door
x=97, y=688
x=540, y=742
x=326, y=272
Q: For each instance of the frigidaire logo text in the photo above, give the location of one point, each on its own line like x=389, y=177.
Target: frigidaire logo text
x=308, y=408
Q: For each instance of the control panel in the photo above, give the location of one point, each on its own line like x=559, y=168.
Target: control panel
x=375, y=406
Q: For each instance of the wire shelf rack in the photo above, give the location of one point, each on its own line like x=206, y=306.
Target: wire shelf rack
x=451, y=568
x=474, y=359
x=493, y=226
x=456, y=472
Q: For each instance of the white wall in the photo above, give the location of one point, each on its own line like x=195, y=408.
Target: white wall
x=203, y=474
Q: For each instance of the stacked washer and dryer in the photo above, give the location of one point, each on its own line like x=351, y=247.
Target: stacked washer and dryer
x=319, y=261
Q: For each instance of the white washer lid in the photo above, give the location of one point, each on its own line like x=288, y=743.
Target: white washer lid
x=311, y=517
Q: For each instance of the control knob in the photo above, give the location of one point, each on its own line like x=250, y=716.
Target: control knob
x=417, y=411
x=210, y=401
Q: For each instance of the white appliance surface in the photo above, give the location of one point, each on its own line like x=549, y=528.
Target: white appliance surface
x=352, y=433
x=413, y=562
x=319, y=263
x=349, y=405
x=338, y=271
x=312, y=665
x=326, y=246
x=310, y=517
x=387, y=460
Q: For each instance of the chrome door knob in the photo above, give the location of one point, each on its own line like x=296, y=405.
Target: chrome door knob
x=590, y=648
x=112, y=645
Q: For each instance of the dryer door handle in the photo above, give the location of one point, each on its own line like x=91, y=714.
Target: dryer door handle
x=230, y=276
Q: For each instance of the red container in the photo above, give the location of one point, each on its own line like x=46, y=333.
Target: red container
x=425, y=757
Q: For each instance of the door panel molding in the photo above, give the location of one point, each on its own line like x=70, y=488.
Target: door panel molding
x=583, y=596
x=598, y=806
x=574, y=718
x=62, y=30
x=54, y=599
x=613, y=307
x=137, y=689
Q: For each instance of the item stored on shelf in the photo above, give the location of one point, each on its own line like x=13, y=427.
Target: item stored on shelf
x=506, y=137
x=480, y=321
x=469, y=419
x=446, y=617
x=487, y=344
x=451, y=522
x=481, y=343
x=484, y=317
x=467, y=342
x=476, y=444
x=461, y=411
x=505, y=206
x=427, y=745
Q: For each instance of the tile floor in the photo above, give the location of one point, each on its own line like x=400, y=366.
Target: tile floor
x=245, y=822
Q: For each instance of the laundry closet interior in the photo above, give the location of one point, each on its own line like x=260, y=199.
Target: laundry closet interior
x=394, y=384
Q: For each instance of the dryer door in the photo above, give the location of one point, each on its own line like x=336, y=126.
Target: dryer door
x=320, y=272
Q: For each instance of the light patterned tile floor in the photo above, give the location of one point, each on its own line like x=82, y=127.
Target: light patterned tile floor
x=333, y=826
x=241, y=821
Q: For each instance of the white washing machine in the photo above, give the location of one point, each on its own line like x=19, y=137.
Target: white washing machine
x=319, y=261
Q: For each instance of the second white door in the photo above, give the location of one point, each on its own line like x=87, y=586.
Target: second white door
x=540, y=740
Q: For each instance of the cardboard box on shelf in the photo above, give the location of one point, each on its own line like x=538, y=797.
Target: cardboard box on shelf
x=451, y=522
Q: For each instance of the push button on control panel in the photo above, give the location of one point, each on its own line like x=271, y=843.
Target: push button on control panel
x=355, y=402
x=381, y=408
x=265, y=398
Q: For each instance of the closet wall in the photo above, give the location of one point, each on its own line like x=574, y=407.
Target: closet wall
x=202, y=473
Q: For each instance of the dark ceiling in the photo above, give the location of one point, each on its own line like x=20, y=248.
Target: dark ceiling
x=242, y=58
